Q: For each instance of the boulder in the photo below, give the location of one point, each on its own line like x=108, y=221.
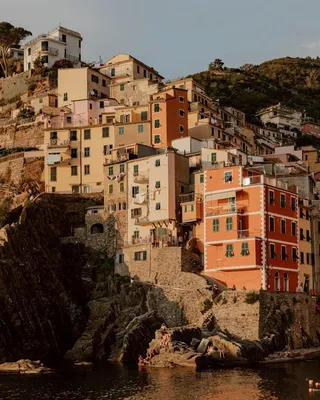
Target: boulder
x=24, y=367
x=202, y=348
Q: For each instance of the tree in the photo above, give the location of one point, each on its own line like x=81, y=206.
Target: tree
x=217, y=64
x=62, y=64
x=10, y=36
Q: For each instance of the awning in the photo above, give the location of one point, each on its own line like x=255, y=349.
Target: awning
x=218, y=196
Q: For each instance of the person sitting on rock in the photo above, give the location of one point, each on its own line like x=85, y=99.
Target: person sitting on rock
x=221, y=351
x=141, y=360
x=287, y=350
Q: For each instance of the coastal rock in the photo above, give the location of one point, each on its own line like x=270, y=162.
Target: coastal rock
x=24, y=367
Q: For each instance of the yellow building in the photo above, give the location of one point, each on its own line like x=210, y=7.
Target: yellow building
x=81, y=84
x=306, y=259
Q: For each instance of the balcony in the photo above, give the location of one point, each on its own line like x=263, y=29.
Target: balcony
x=49, y=50
x=73, y=59
x=225, y=209
x=142, y=221
x=141, y=178
x=121, y=158
x=249, y=233
x=56, y=143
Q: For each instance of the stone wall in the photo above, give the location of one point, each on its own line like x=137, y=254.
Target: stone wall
x=11, y=167
x=14, y=86
x=20, y=166
x=291, y=312
x=27, y=135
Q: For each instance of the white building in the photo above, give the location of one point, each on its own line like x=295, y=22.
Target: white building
x=59, y=44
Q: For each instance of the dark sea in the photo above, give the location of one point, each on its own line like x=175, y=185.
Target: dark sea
x=113, y=381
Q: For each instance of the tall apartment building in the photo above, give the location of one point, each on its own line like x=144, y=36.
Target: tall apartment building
x=306, y=256
x=169, y=116
x=61, y=43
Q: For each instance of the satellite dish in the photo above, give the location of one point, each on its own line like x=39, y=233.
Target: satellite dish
x=92, y=92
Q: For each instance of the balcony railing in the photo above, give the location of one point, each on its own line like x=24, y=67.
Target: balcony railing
x=122, y=158
x=58, y=143
x=249, y=233
x=225, y=209
x=142, y=221
x=49, y=50
x=190, y=197
x=73, y=59
x=141, y=178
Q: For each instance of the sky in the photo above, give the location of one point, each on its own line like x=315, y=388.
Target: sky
x=178, y=37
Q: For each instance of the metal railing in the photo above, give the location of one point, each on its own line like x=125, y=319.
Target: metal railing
x=225, y=209
x=249, y=233
x=190, y=197
x=71, y=58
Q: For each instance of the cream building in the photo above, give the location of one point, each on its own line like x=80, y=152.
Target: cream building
x=61, y=43
x=154, y=186
x=81, y=84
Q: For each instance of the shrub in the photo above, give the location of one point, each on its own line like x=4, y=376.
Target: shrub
x=32, y=87
x=252, y=297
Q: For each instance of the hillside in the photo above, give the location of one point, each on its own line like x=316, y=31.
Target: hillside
x=295, y=82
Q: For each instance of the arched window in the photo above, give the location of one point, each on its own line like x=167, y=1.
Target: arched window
x=96, y=228
x=286, y=282
x=276, y=281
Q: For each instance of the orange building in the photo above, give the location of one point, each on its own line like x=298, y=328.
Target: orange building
x=250, y=230
x=169, y=116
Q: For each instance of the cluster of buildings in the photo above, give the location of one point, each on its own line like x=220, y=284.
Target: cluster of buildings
x=179, y=169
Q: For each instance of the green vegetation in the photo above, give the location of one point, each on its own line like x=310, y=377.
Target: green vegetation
x=252, y=297
x=295, y=82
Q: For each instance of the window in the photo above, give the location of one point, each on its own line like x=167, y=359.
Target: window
x=293, y=229
x=140, y=128
x=157, y=123
x=121, y=186
x=121, y=130
x=156, y=107
x=65, y=96
x=87, y=169
x=192, y=208
x=293, y=204
x=307, y=215
x=104, y=83
x=144, y=115
x=181, y=113
x=283, y=203
x=273, y=251
x=69, y=119
x=181, y=189
x=157, y=139
x=219, y=134
x=113, y=72
x=121, y=258
x=271, y=198
x=308, y=258
x=122, y=87
x=202, y=178
x=276, y=281
x=110, y=171
x=294, y=254
x=145, y=73
x=158, y=206
x=286, y=283
x=74, y=170
x=121, y=168
x=283, y=226
x=29, y=67
x=135, y=212
x=229, y=250
x=53, y=135
x=284, y=255
x=150, y=77
x=228, y=177
x=215, y=225
x=229, y=224
x=90, y=105
x=45, y=59
x=73, y=135
x=140, y=256
x=181, y=128
x=74, y=153
x=87, y=134
x=87, y=151
x=136, y=234
x=308, y=236
x=302, y=237
x=136, y=169
x=213, y=157
x=101, y=104
x=244, y=249
x=94, y=78
x=53, y=174
x=301, y=257
x=157, y=163
x=106, y=149
x=53, y=189
x=271, y=224
x=135, y=190
x=157, y=184
x=181, y=99
x=105, y=132
x=29, y=51
x=138, y=69
x=110, y=189
x=64, y=38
